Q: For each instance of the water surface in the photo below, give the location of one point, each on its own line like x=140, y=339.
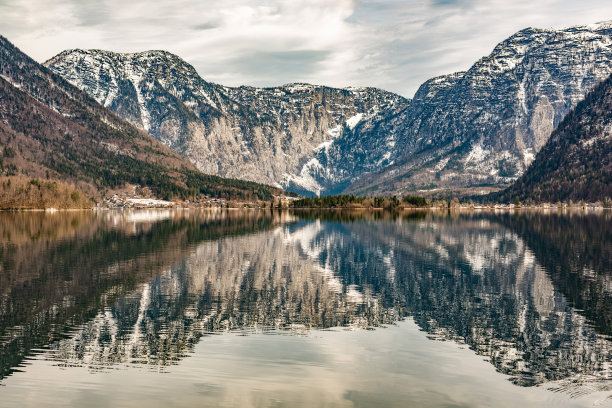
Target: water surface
x=253, y=308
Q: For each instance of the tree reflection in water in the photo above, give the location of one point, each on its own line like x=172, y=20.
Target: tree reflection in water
x=530, y=291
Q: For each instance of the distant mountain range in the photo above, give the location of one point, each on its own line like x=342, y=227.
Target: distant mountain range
x=51, y=129
x=482, y=127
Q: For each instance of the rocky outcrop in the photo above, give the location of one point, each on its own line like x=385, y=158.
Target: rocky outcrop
x=576, y=162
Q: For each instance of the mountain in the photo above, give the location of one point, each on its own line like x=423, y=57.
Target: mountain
x=480, y=127
x=51, y=129
x=484, y=126
x=273, y=135
x=576, y=162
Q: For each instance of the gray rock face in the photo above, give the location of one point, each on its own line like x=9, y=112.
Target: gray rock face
x=485, y=125
x=272, y=135
x=479, y=127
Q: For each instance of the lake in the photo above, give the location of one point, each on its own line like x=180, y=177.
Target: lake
x=256, y=308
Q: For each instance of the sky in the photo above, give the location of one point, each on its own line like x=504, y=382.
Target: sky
x=391, y=44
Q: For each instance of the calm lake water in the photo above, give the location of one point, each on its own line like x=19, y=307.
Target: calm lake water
x=165, y=308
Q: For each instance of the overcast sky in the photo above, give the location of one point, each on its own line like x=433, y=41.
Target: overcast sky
x=391, y=44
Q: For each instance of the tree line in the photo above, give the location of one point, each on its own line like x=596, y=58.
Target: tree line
x=352, y=201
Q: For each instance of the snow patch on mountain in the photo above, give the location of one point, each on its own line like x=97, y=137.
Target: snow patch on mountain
x=354, y=120
x=528, y=157
x=477, y=154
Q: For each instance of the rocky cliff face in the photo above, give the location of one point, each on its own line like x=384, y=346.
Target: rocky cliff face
x=479, y=127
x=576, y=162
x=271, y=135
x=485, y=125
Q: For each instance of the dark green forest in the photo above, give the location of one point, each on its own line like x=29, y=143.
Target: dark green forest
x=351, y=201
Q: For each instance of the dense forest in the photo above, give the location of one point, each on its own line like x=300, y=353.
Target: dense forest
x=351, y=201
x=576, y=162
x=51, y=130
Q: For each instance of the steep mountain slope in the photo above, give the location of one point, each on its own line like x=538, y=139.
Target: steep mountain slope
x=49, y=128
x=485, y=125
x=274, y=135
x=576, y=162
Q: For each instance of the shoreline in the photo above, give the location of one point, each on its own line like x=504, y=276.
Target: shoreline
x=496, y=207
x=587, y=207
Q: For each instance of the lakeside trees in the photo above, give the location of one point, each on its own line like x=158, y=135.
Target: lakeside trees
x=29, y=193
x=352, y=201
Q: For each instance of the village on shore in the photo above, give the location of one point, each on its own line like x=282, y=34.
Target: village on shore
x=139, y=201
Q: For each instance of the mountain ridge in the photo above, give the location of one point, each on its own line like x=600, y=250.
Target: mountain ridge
x=479, y=127
x=484, y=126
x=270, y=134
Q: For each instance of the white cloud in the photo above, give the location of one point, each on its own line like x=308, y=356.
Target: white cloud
x=391, y=44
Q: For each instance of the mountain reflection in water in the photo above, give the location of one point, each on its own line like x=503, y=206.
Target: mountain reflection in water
x=532, y=292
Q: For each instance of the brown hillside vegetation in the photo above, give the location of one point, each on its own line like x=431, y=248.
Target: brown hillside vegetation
x=20, y=192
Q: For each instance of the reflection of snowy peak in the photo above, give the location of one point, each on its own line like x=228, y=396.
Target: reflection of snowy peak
x=274, y=135
x=473, y=281
x=481, y=126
